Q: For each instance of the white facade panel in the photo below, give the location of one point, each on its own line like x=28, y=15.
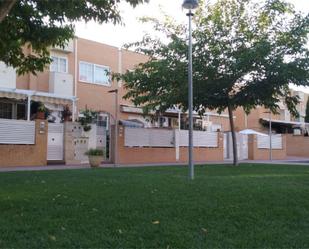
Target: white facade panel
x=7, y=76
x=61, y=83
x=68, y=48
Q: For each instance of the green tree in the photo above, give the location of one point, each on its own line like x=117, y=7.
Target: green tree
x=307, y=112
x=241, y=58
x=41, y=24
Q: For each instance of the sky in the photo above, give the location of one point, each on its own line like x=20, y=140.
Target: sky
x=133, y=30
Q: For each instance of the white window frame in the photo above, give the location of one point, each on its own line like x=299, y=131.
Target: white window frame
x=79, y=75
x=109, y=83
x=58, y=65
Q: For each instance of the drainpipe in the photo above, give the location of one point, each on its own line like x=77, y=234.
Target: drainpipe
x=75, y=80
x=119, y=65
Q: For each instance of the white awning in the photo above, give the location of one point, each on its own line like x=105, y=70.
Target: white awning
x=252, y=132
x=286, y=122
x=131, y=123
x=139, y=110
x=43, y=97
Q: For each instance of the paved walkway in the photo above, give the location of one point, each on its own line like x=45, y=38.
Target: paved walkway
x=288, y=161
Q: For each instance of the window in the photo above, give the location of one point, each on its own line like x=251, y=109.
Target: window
x=21, y=111
x=86, y=72
x=6, y=110
x=101, y=75
x=102, y=120
x=92, y=73
x=59, y=64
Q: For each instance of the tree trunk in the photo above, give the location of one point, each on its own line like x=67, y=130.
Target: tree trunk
x=234, y=139
x=5, y=8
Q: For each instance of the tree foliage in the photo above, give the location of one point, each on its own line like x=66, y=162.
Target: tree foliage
x=245, y=54
x=39, y=24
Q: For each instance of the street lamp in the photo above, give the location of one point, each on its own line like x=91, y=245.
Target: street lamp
x=269, y=133
x=116, y=126
x=270, y=142
x=190, y=5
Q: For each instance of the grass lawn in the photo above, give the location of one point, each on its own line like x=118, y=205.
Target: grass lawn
x=250, y=206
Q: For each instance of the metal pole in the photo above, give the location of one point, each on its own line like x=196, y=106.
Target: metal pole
x=190, y=104
x=28, y=107
x=73, y=110
x=116, y=128
x=179, y=120
x=270, y=143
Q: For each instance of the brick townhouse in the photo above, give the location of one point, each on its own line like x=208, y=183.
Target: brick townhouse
x=79, y=78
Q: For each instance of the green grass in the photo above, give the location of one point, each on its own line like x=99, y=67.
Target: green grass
x=250, y=206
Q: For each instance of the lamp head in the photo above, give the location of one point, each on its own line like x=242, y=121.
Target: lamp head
x=190, y=4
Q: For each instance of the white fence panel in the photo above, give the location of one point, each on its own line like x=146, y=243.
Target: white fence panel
x=161, y=138
x=138, y=137
x=276, y=142
x=183, y=138
x=17, y=131
x=200, y=138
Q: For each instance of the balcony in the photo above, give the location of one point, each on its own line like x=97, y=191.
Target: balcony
x=68, y=48
x=285, y=115
x=7, y=76
x=61, y=83
x=301, y=95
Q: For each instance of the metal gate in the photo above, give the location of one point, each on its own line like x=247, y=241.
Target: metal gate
x=242, y=146
x=55, y=142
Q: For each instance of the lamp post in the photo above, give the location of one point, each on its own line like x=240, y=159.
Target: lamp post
x=116, y=126
x=270, y=143
x=269, y=134
x=190, y=5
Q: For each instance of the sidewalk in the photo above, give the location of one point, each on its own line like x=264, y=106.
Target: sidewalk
x=87, y=166
x=288, y=161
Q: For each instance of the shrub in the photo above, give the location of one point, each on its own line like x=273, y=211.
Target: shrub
x=95, y=152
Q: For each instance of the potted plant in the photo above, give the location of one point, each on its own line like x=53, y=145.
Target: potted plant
x=41, y=111
x=86, y=118
x=95, y=157
x=66, y=113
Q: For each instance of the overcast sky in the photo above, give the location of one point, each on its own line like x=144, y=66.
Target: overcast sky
x=133, y=30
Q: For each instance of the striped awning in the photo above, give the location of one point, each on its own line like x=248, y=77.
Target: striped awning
x=12, y=95
x=43, y=97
